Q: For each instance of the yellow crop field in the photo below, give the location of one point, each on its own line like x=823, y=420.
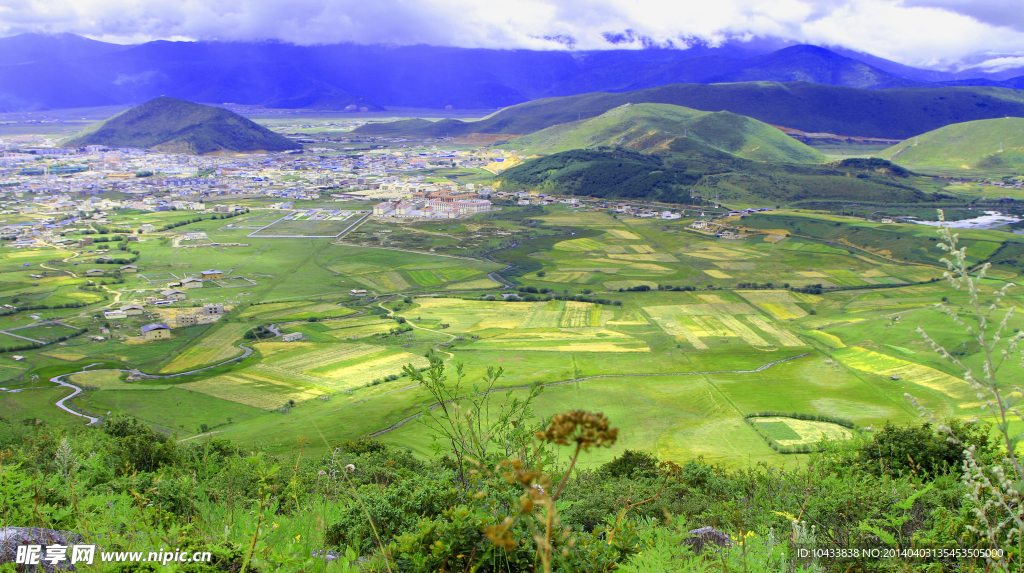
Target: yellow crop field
x=706, y=326
x=782, y=310
x=714, y=309
x=723, y=253
x=629, y=284
x=216, y=346
x=873, y=273
x=829, y=339
x=579, y=245
x=756, y=296
x=664, y=317
x=474, y=284
x=735, y=265
x=810, y=431
x=742, y=330
x=623, y=234
x=604, y=347
x=569, y=277
x=718, y=274
x=812, y=274
x=324, y=356
x=269, y=308
x=270, y=349
x=253, y=389
x=654, y=257
x=111, y=380
x=540, y=317
x=618, y=249
x=805, y=297
x=642, y=248
x=711, y=298
x=576, y=315
x=361, y=331
x=875, y=362
x=351, y=375
x=784, y=337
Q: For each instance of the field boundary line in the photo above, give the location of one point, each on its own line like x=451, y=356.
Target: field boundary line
x=761, y=368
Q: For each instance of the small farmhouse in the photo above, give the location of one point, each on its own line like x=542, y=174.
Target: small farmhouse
x=212, y=275
x=132, y=309
x=292, y=337
x=213, y=308
x=191, y=283
x=358, y=292
x=156, y=331
x=173, y=294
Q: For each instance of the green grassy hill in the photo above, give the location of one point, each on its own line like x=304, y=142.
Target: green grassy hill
x=651, y=127
x=971, y=144
x=890, y=113
x=179, y=126
x=691, y=165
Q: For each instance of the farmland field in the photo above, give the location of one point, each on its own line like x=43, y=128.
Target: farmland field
x=676, y=335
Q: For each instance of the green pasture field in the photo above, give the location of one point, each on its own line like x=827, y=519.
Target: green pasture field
x=37, y=404
x=306, y=228
x=173, y=410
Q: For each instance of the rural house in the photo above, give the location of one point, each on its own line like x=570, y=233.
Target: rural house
x=129, y=269
x=191, y=283
x=213, y=308
x=358, y=292
x=186, y=319
x=94, y=273
x=132, y=309
x=173, y=294
x=292, y=337
x=211, y=275
x=156, y=331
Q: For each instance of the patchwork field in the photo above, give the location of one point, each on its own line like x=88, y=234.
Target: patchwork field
x=793, y=432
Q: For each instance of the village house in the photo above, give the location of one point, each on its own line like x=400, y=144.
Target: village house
x=213, y=308
x=186, y=319
x=129, y=269
x=173, y=294
x=357, y=292
x=292, y=337
x=211, y=275
x=190, y=282
x=94, y=273
x=132, y=309
x=114, y=314
x=156, y=331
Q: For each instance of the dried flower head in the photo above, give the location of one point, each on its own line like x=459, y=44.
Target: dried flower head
x=581, y=428
x=350, y=468
x=501, y=535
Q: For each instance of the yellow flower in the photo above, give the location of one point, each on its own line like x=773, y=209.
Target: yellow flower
x=297, y=537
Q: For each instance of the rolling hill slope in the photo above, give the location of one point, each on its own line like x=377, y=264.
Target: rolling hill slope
x=889, y=113
x=692, y=166
x=972, y=144
x=174, y=125
x=651, y=127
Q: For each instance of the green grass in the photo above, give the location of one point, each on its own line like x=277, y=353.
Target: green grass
x=172, y=410
x=982, y=144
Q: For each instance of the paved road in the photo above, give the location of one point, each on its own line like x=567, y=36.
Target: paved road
x=761, y=368
x=246, y=352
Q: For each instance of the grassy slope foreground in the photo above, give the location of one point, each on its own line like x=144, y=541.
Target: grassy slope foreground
x=651, y=127
x=179, y=126
x=982, y=144
x=892, y=113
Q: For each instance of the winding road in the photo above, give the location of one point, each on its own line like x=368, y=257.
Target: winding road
x=246, y=352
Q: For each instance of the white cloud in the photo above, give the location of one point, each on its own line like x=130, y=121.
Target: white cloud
x=1000, y=64
x=916, y=32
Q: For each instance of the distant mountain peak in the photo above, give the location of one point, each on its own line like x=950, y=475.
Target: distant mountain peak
x=174, y=125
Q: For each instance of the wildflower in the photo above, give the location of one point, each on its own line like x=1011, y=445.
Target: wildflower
x=581, y=428
x=323, y=473
x=350, y=467
x=275, y=525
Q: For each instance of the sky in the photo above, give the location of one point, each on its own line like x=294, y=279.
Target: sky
x=942, y=34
